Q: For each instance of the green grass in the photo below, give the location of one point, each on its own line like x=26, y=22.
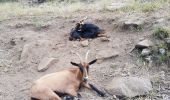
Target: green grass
x=161, y=32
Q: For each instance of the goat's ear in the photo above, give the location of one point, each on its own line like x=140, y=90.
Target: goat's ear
x=75, y=64
x=92, y=62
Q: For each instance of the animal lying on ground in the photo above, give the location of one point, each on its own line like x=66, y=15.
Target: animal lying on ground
x=86, y=30
x=68, y=82
x=41, y=1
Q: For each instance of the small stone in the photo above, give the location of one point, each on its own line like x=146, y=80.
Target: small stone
x=144, y=44
x=19, y=25
x=104, y=39
x=2, y=50
x=129, y=86
x=167, y=40
x=46, y=63
x=6, y=69
x=160, y=20
x=12, y=42
x=148, y=58
x=162, y=51
x=145, y=52
x=133, y=24
x=116, y=5
x=84, y=43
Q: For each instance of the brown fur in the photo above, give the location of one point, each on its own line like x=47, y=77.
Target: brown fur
x=65, y=81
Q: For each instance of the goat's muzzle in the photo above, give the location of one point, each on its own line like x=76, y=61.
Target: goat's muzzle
x=85, y=79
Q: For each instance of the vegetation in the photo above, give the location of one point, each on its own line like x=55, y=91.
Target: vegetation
x=145, y=6
x=66, y=7
x=13, y=9
x=7, y=0
x=161, y=32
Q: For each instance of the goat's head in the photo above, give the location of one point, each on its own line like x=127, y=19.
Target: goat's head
x=84, y=66
x=80, y=24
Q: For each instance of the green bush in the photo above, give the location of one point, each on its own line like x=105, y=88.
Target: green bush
x=161, y=33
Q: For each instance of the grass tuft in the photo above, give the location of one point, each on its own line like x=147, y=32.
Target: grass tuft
x=161, y=33
x=144, y=6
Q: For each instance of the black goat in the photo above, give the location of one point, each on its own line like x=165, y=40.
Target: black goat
x=41, y=1
x=86, y=30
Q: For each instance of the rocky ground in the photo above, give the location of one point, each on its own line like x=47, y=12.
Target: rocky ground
x=26, y=41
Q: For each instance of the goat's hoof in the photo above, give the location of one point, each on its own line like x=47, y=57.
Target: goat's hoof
x=68, y=97
x=102, y=94
x=79, y=95
x=76, y=98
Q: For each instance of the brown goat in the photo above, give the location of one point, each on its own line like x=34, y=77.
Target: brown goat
x=67, y=82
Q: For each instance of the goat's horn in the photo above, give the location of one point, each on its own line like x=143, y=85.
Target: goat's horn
x=87, y=55
x=79, y=57
x=83, y=19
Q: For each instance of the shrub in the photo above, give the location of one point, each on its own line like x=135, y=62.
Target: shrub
x=161, y=33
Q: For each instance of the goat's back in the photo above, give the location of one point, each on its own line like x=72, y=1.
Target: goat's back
x=60, y=81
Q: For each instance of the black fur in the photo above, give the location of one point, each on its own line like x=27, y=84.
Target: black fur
x=92, y=62
x=86, y=30
x=60, y=94
x=100, y=93
x=75, y=34
x=78, y=65
x=68, y=97
x=34, y=99
x=41, y=1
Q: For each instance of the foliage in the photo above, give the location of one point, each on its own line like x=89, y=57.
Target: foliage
x=161, y=33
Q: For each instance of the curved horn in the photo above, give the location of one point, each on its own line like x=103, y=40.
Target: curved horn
x=81, y=22
x=87, y=55
x=78, y=56
x=85, y=18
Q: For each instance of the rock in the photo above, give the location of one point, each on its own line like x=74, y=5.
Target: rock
x=104, y=39
x=148, y=58
x=133, y=24
x=106, y=54
x=116, y=5
x=12, y=42
x=45, y=63
x=167, y=40
x=84, y=43
x=34, y=51
x=162, y=51
x=144, y=44
x=129, y=86
x=161, y=20
x=145, y=52
x=2, y=50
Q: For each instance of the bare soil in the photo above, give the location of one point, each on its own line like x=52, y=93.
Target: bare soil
x=18, y=70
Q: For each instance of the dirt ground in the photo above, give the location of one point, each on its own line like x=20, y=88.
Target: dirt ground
x=18, y=69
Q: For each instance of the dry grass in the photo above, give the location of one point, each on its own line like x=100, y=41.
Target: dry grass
x=140, y=5
x=14, y=9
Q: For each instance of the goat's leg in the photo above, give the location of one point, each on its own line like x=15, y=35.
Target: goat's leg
x=92, y=87
x=74, y=94
x=103, y=35
x=53, y=96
